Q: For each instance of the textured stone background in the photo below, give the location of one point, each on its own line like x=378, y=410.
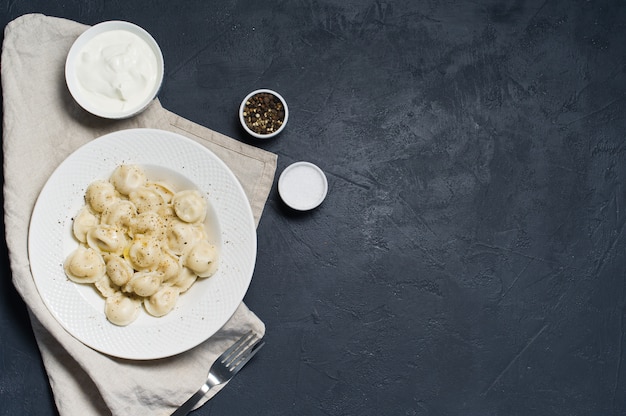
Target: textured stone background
x=470, y=256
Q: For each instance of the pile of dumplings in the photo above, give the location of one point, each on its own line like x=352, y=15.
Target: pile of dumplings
x=140, y=243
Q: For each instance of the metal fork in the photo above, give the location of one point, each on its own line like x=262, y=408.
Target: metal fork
x=224, y=368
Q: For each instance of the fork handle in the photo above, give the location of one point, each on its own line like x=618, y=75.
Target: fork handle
x=186, y=407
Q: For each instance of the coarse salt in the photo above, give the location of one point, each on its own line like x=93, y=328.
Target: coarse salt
x=303, y=186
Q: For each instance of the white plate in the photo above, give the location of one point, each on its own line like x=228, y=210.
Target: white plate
x=201, y=311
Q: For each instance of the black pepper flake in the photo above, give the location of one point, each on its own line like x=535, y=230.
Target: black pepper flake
x=264, y=113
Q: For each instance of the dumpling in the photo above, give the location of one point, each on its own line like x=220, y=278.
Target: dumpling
x=119, y=270
x=106, y=239
x=83, y=222
x=120, y=213
x=84, y=265
x=168, y=267
x=163, y=189
x=144, y=283
x=100, y=194
x=182, y=235
x=146, y=199
x=127, y=178
x=149, y=222
x=162, y=302
x=190, y=206
x=106, y=287
x=166, y=211
x=144, y=253
x=185, y=279
x=121, y=309
x=202, y=258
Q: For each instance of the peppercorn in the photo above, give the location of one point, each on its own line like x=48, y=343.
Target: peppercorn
x=264, y=113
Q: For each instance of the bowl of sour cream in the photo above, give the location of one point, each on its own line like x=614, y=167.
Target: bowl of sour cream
x=114, y=69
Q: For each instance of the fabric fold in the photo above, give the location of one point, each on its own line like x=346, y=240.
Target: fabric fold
x=42, y=125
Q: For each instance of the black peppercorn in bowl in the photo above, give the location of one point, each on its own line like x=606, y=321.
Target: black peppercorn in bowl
x=263, y=113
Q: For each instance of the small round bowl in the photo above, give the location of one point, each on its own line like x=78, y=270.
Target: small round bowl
x=114, y=69
x=302, y=186
x=266, y=127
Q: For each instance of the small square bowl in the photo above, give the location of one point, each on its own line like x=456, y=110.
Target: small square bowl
x=114, y=69
x=263, y=113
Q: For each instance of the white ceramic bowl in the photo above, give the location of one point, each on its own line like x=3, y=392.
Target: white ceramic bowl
x=111, y=60
x=242, y=117
x=302, y=186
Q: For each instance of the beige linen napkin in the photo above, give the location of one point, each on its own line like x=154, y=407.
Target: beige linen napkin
x=42, y=125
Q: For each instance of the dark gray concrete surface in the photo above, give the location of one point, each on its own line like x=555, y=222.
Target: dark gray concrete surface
x=470, y=258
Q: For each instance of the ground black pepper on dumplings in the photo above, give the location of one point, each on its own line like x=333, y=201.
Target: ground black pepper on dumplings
x=140, y=242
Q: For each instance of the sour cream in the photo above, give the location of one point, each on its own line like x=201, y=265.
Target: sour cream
x=117, y=71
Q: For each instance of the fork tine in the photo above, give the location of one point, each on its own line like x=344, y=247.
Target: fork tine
x=234, y=349
x=246, y=356
x=239, y=351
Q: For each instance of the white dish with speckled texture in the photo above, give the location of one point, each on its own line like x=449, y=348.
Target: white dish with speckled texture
x=201, y=311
